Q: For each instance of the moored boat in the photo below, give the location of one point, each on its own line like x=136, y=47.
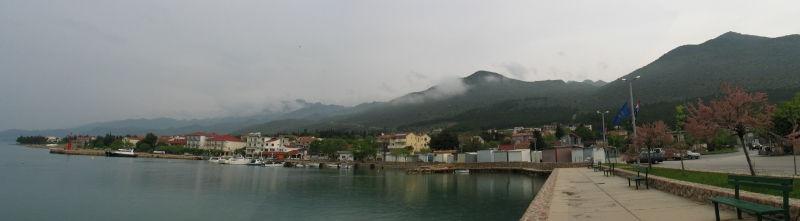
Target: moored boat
x=237, y=160
x=121, y=153
x=255, y=162
x=272, y=164
x=461, y=171
x=214, y=159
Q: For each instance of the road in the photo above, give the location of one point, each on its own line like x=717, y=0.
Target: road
x=736, y=163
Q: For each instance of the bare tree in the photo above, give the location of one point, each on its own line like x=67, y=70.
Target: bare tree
x=735, y=112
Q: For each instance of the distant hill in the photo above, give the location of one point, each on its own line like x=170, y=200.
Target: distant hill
x=489, y=100
x=690, y=71
x=758, y=64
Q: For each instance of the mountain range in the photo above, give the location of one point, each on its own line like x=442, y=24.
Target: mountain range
x=487, y=100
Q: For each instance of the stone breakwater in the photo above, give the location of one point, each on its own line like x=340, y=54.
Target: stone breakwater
x=701, y=192
x=528, y=165
x=540, y=206
x=140, y=155
x=527, y=168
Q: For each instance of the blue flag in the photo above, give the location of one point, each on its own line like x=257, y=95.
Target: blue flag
x=622, y=113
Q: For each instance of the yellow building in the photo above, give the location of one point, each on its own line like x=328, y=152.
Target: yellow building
x=417, y=141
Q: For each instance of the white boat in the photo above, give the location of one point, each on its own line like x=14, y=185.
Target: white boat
x=312, y=165
x=332, y=165
x=238, y=160
x=255, y=162
x=214, y=159
x=461, y=171
x=121, y=153
x=272, y=164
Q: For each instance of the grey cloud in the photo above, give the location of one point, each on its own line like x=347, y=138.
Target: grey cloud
x=387, y=88
x=515, y=69
x=602, y=66
x=446, y=87
x=414, y=77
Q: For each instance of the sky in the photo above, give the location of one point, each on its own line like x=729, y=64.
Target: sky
x=70, y=63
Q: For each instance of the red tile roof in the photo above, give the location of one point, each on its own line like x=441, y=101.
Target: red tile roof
x=293, y=152
x=177, y=142
x=202, y=134
x=225, y=138
x=306, y=139
x=506, y=147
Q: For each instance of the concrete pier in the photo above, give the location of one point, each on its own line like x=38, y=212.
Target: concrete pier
x=582, y=194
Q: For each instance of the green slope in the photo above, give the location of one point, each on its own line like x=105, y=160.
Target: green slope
x=758, y=64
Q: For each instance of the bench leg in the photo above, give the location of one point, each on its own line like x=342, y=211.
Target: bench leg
x=647, y=183
x=758, y=217
x=637, y=184
x=629, y=181
x=738, y=213
x=716, y=210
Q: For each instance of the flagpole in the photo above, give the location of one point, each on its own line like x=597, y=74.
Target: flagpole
x=630, y=87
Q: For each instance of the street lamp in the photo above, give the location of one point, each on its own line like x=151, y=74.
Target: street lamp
x=633, y=116
x=603, y=114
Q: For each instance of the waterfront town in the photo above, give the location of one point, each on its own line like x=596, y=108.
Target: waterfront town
x=518, y=144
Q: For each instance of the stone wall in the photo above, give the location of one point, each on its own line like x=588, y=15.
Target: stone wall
x=701, y=192
x=530, y=165
x=540, y=206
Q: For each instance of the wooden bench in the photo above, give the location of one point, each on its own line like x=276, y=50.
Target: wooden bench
x=781, y=184
x=598, y=166
x=639, y=177
x=609, y=170
x=591, y=165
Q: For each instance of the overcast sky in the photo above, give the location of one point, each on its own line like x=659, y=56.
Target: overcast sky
x=69, y=63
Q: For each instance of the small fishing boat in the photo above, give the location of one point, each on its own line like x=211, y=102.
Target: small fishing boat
x=255, y=162
x=272, y=164
x=121, y=153
x=461, y=171
x=214, y=159
x=237, y=160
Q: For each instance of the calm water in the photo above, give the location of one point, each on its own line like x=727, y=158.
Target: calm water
x=36, y=185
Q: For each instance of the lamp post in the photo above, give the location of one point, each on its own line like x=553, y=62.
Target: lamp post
x=603, y=114
x=633, y=116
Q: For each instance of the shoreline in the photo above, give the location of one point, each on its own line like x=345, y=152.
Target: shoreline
x=139, y=155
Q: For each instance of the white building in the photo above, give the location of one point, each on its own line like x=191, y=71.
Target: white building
x=226, y=143
x=198, y=139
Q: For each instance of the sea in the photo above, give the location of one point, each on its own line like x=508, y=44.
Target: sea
x=37, y=185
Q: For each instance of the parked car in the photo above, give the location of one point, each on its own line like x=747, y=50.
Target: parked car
x=755, y=145
x=655, y=158
x=688, y=154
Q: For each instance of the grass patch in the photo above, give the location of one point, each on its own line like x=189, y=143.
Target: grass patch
x=719, y=151
x=713, y=179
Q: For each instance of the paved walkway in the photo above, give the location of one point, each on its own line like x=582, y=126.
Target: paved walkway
x=582, y=194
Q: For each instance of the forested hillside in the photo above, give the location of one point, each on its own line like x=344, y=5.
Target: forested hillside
x=759, y=64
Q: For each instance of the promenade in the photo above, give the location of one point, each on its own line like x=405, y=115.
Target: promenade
x=582, y=194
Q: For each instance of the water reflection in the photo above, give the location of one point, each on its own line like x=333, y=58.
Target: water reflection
x=81, y=188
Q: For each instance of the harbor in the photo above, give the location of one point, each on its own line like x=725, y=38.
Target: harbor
x=168, y=189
